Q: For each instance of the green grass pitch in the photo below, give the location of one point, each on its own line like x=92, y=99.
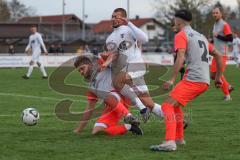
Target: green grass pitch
x=214, y=132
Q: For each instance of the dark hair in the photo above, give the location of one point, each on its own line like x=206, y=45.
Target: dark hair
x=33, y=26
x=122, y=10
x=81, y=60
x=220, y=8
x=184, y=14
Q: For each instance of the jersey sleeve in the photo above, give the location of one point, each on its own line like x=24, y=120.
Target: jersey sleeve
x=29, y=44
x=91, y=96
x=180, y=41
x=42, y=43
x=138, y=33
x=227, y=29
x=210, y=47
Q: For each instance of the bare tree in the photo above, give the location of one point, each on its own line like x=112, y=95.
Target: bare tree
x=19, y=10
x=4, y=11
x=166, y=8
x=238, y=8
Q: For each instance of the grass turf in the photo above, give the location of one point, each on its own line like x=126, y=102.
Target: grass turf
x=212, y=135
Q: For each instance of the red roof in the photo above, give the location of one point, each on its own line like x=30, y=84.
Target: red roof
x=56, y=19
x=106, y=25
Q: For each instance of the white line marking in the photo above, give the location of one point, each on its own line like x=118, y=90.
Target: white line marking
x=36, y=97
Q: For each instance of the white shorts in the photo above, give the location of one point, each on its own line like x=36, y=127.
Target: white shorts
x=135, y=70
x=140, y=89
x=36, y=57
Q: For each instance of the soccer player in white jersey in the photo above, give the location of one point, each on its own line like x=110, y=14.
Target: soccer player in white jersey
x=35, y=44
x=236, y=49
x=100, y=87
x=123, y=46
x=194, y=48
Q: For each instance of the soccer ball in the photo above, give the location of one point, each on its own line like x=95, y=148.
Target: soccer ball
x=30, y=116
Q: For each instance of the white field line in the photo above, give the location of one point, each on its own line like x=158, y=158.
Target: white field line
x=37, y=97
x=34, y=97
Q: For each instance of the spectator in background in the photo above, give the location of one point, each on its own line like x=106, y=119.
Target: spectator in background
x=80, y=50
x=158, y=49
x=236, y=48
x=52, y=49
x=87, y=49
x=11, y=49
x=59, y=48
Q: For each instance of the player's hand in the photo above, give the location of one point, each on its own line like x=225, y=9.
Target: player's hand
x=28, y=52
x=218, y=83
x=122, y=21
x=102, y=67
x=45, y=53
x=215, y=34
x=167, y=85
x=76, y=131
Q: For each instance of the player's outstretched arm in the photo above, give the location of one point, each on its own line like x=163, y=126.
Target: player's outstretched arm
x=110, y=58
x=217, y=55
x=86, y=116
x=138, y=33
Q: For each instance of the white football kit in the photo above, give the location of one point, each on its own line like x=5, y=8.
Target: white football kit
x=35, y=43
x=124, y=41
x=236, y=51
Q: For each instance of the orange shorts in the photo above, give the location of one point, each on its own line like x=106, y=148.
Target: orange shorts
x=214, y=65
x=110, y=117
x=185, y=91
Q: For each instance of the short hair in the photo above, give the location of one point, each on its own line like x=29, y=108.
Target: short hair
x=184, y=14
x=81, y=60
x=33, y=26
x=220, y=8
x=122, y=10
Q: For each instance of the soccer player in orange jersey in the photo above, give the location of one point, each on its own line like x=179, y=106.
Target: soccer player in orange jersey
x=222, y=35
x=114, y=109
x=194, y=48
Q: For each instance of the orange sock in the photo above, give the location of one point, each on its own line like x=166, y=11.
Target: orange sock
x=225, y=86
x=170, y=121
x=179, y=119
x=116, y=130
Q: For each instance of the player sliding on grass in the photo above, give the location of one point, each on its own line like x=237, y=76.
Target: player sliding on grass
x=124, y=57
x=194, y=48
x=100, y=86
x=35, y=44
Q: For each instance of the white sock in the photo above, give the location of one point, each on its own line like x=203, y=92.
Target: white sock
x=43, y=70
x=129, y=93
x=128, y=126
x=157, y=110
x=30, y=69
x=139, y=104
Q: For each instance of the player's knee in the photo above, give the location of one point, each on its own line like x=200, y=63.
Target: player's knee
x=39, y=64
x=172, y=101
x=31, y=63
x=118, y=83
x=96, y=130
x=112, y=100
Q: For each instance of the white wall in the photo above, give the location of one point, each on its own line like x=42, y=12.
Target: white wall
x=153, y=33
